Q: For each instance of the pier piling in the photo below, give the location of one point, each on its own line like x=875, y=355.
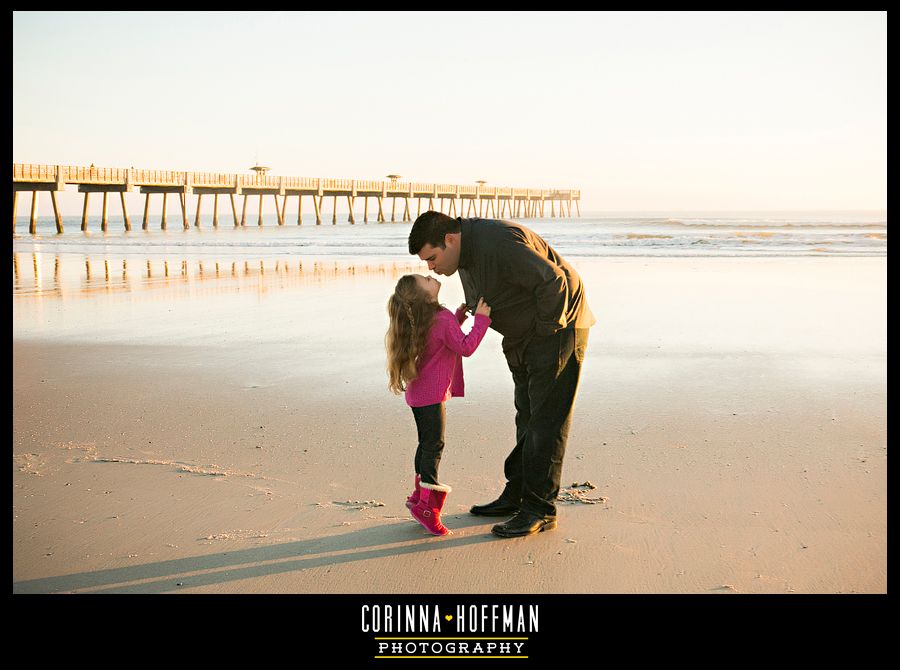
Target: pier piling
x=197, y=217
x=56, y=214
x=103, y=220
x=233, y=209
x=125, y=212
x=32, y=228
x=84, y=213
x=184, y=217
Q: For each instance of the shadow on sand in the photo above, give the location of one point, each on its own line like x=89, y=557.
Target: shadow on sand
x=394, y=539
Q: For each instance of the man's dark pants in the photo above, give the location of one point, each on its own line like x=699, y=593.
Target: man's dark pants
x=546, y=380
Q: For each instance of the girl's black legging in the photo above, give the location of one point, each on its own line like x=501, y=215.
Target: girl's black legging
x=430, y=425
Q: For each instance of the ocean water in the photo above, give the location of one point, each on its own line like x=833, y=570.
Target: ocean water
x=597, y=234
x=811, y=284
x=268, y=283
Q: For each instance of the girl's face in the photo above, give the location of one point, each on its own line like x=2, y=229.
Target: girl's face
x=429, y=285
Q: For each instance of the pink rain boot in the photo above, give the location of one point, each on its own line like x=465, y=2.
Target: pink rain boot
x=428, y=510
x=413, y=500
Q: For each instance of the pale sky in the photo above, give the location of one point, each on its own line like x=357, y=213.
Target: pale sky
x=641, y=111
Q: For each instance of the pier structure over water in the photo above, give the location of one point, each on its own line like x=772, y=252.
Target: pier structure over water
x=462, y=200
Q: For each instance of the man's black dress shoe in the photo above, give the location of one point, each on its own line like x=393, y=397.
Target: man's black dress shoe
x=524, y=523
x=497, y=508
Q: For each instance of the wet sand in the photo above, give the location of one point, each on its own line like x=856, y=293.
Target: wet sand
x=731, y=418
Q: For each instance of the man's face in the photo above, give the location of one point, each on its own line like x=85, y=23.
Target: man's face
x=442, y=261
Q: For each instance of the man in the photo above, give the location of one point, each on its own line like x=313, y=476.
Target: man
x=538, y=304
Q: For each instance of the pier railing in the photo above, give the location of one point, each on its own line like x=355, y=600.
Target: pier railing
x=71, y=174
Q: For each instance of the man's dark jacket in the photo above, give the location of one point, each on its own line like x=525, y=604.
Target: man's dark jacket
x=531, y=290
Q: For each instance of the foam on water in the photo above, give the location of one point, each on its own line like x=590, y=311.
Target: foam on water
x=736, y=234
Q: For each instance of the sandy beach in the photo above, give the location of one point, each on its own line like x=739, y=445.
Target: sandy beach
x=228, y=430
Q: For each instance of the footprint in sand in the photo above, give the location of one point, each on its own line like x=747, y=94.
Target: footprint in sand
x=577, y=493
x=359, y=504
x=30, y=464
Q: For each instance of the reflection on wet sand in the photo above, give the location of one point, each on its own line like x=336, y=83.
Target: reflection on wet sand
x=101, y=274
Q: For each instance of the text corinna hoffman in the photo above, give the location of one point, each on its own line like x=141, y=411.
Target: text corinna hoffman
x=460, y=619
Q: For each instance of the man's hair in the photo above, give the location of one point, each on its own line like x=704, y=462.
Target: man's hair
x=430, y=228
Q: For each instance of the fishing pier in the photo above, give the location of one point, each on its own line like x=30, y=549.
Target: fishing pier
x=461, y=200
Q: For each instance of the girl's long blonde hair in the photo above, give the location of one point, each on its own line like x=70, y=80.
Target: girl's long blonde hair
x=410, y=313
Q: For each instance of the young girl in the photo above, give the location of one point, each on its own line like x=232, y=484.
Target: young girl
x=424, y=343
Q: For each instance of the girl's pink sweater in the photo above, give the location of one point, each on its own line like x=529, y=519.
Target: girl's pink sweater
x=440, y=366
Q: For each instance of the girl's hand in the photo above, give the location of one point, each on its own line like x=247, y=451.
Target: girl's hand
x=462, y=308
x=483, y=308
